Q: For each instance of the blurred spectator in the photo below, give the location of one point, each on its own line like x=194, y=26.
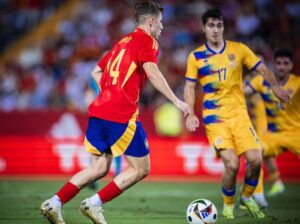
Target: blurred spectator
x=247, y=21
x=55, y=73
x=18, y=17
x=31, y=56
x=8, y=87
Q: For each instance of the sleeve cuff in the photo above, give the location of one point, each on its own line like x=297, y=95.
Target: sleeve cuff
x=190, y=79
x=256, y=65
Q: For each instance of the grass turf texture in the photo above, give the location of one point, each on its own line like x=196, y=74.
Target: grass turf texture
x=145, y=203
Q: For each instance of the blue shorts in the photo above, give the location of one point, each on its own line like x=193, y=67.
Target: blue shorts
x=104, y=136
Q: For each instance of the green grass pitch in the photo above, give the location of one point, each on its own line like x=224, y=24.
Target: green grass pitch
x=145, y=203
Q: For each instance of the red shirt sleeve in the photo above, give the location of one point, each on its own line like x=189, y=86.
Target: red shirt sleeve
x=148, y=51
x=104, y=60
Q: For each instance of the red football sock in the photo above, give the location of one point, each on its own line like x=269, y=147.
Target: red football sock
x=67, y=192
x=109, y=192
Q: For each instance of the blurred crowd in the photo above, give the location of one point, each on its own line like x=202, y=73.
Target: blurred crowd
x=20, y=16
x=55, y=73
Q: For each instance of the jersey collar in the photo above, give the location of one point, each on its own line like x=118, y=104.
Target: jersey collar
x=214, y=52
x=282, y=83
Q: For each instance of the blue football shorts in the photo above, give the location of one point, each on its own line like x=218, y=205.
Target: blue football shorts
x=115, y=138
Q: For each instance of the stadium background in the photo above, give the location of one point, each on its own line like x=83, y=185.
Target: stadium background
x=47, y=50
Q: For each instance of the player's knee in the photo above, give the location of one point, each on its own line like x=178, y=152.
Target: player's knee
x=142, y=172
x=255, y=160
x=232, y=167
x=98, y=174
x=99, y=171
x=103, y=172
x=255, y=163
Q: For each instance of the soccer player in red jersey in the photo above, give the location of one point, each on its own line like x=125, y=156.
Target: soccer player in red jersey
x=114, y=127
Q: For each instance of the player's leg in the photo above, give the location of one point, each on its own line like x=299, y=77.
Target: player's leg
x=220, y=137
x=258, y=194
x=128, y=139
x=231, y=165
x=254, y=160
x=274, y=177
x=99, y=167
x=253, y=169
x=94, y=184
x=138, y=168
x=117, y=169
x=248, y=144
x=277, y=142
x=274, y=145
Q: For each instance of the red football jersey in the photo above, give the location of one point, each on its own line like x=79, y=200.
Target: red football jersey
x=124, y=77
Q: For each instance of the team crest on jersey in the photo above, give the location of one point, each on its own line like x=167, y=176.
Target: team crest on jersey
x=232, y=61
x=231, y=57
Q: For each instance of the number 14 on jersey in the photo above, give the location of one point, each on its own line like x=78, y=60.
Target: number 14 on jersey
x=114, y=68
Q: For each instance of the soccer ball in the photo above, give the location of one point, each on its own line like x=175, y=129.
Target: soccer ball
x=201, y=211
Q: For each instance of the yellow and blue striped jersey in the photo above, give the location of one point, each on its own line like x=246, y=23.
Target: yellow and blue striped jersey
x=280, y=116
x=220, y=75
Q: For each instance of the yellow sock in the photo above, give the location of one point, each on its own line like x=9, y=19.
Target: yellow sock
x=249, y=187
x=260, y=186
x=228, y=197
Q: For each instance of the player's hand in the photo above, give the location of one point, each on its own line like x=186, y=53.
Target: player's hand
x=281, y=94
x=184, y=107
x=192, y=122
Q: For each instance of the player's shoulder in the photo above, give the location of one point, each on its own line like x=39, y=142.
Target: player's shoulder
x=140, y=37
x=144, y=36
x=199, y=52
x=261, y=79
x=234, y=44
x=150, y=41
x=126, y=39
x=257, y=76
x=294, y=78
x=199, y=48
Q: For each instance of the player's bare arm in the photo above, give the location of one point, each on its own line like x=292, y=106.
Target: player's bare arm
x=192, y=121
x=279, y=92
x=159, y=82
x=96, y=74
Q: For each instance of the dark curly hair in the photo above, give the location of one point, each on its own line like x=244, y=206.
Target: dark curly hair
x=147, y=8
